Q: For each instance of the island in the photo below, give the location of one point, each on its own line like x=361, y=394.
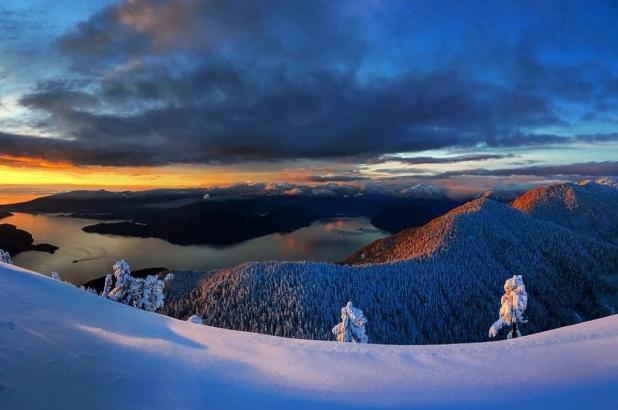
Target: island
x=5, y=214
x=15, y=241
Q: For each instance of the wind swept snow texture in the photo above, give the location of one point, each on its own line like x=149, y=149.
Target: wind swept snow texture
x=438, y=283
x=63, y=348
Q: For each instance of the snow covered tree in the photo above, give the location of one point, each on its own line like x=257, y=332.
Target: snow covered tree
x=141, y=293
x=127, y=289
x=152, y=293
x=108, y=285
x=55, y=276
x=5, y=257
x=513, y=305
x=352, y=326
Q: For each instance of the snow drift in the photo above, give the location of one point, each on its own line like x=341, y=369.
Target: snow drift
x=61, y=347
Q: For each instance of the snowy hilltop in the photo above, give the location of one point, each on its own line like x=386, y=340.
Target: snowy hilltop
x=589, y=208
x=63, y=348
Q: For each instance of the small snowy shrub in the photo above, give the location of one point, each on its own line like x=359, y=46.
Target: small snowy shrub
x=141, y=293
x=5, y=257
x=352, y=326
x=196, y=319
x=513, y=305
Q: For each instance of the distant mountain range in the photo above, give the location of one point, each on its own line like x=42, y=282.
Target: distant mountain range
x=439, y=283
x=224, y=216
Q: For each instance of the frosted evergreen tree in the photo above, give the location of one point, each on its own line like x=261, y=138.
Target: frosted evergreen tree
x=55, y=276
x=108, y=285
x=513, y=305
x=141, y=293
x=5, y=257
x=352, y=326
x=126, y=290
x=152, y=293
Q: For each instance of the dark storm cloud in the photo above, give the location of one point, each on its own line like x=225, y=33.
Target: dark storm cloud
x=310, y=31
x=156, y=82
x=73, y=151
x=440, y=160
x=519, y=139
x=59, y=98
x=579, y=169
x=322, y=115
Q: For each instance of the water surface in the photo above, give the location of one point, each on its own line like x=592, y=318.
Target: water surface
x=328, y=240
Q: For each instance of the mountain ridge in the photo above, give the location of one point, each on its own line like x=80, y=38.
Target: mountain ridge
x=587, y=207
x=455, y=263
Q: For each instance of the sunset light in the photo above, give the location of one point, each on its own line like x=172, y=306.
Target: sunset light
x=308, y=204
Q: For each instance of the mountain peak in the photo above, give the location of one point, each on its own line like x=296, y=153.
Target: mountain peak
x=434, y=236
x=482, y=204
x=586, y=207
x=423, y=191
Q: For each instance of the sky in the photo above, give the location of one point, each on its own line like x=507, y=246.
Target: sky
x=149, y=93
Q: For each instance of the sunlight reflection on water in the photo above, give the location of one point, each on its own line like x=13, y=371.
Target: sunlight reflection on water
x=328, y=240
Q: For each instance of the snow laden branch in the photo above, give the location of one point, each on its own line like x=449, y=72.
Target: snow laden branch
x=513, y=305
x=352, y=326
x=143, y=293
x=5, y=257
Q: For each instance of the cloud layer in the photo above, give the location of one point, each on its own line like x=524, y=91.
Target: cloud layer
x=152, y=82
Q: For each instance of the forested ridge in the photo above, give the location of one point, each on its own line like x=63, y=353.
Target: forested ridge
x=588, y=208
x=439, y=283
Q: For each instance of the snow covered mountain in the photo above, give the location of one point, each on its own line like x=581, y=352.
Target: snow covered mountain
x=423, y=191
x=63, y=348
x=589, y=208
x=439, y=283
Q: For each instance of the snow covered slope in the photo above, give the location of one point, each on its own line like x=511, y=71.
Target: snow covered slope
x=61, y=347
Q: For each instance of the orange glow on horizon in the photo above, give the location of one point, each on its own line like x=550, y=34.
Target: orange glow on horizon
x=23, y=178
x=28, y=162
